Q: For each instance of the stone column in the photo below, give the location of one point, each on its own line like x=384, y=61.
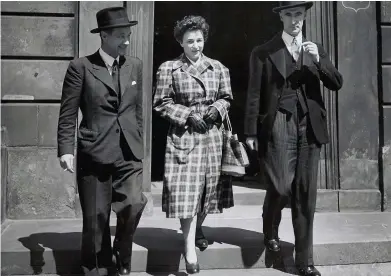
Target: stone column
x=385, y=34
x=141, y=46
x=358, y=106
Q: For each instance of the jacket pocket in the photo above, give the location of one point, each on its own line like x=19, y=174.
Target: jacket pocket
x=180, y=145
x=87, y=134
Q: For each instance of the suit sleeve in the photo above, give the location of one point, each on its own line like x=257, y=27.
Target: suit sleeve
x=164, y=99
x=328, y=74
x=70, y=100
x=253, y=94
x=224, y=94
x=139, y=104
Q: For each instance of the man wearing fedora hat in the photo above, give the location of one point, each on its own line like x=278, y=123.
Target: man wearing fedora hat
x=285, y=121
x=107, y=87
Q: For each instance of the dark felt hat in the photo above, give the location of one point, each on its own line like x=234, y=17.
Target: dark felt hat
x=113, y=17
x=292, y=4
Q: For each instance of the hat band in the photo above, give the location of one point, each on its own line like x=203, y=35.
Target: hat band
x=114, y=21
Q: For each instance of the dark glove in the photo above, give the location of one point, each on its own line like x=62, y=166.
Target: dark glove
x=211, y=115
x=197, y=122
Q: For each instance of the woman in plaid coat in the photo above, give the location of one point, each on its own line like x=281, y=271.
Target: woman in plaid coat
x=193, y=93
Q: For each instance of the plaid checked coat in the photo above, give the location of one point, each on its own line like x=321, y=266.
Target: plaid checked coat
x=192, y=159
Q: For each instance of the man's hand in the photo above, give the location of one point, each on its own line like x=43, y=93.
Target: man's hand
x=66, y=162
x=252, y=143
x=311, y=49
x=195, y=120
x=212, y=115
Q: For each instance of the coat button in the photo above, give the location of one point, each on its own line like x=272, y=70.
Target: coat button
x=117, y=130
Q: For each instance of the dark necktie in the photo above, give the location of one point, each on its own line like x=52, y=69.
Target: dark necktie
x=115, y=76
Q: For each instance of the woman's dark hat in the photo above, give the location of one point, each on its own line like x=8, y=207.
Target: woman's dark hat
x=292, y=4
x=113, y=17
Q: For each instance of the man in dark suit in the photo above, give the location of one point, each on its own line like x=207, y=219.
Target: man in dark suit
x=107, y=87
x=286, y=122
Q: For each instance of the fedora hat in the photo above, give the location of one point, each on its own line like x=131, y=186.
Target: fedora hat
x=113, y=17
x=292, y=4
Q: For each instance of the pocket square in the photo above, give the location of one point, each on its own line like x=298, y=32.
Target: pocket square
x=133, y=82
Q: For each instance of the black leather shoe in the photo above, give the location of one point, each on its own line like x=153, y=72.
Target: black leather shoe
x=309, y=271
x=201, y=243
x=192, y=268
x=272, y=244
x=123, y=269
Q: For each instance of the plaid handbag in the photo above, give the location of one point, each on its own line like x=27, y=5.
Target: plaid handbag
x=234, y=159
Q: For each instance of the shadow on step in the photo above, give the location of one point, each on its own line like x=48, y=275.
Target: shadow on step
x=165, y=248
x=67, y=261
x=252, y=247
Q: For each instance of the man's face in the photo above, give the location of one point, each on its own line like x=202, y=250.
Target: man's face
x=193, y=44
x=115, y=41
x=293, y=20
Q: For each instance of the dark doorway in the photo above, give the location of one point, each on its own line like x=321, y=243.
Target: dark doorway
x=235, y=28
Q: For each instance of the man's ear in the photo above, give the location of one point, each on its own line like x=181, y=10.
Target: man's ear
x=103, y=34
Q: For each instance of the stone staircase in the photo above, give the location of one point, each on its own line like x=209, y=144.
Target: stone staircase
x=52, y=246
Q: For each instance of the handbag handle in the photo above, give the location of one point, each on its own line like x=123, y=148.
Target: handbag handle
x=229, y=126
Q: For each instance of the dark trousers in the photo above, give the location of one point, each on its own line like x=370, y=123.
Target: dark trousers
x=102, y=187
x=291, y=168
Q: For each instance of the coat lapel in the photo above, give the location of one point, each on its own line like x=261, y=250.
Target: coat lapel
x=204, y=64
x=125, y=73
x=99, y=70
x=278, y=55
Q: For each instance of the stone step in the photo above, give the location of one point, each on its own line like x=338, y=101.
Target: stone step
x=52, y=246
x=379, y=269
x=253, y=193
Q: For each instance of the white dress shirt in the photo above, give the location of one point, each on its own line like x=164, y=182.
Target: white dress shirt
x=108, y=60
x=288, y=40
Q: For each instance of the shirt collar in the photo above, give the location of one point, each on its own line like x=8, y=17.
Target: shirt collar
x=107, y=58
x=288, y=38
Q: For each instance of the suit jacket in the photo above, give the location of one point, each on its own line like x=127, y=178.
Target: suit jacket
x=89, y=86
x=266, y=82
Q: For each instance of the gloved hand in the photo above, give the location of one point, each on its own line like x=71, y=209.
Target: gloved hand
x=211, y=115
x=197, y=122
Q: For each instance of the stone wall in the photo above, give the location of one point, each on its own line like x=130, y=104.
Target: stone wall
x=38, y=40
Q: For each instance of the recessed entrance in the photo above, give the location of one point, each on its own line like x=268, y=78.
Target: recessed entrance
x=235, y=28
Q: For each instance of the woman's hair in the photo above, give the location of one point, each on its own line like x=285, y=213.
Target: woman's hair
x=191, y=22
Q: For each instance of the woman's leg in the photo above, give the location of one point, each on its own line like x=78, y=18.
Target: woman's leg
x=200, y=241
x=200, y=220
x=189, y=229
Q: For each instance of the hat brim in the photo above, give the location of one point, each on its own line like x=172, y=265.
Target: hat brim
x=307, y=5
x=97, y=30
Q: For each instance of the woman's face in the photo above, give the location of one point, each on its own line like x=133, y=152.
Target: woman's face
x=193, y=44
